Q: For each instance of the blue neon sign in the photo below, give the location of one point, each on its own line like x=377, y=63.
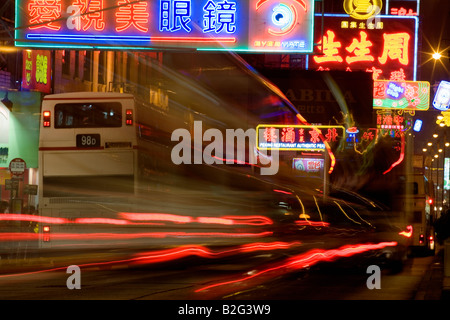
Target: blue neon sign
x=236, y=25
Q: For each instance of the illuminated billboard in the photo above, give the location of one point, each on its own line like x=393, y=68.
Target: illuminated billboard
x=36, y=71
x=386, y=46
x=403, y=7
x=308, y=166
x=442, y=97
x=237, y=25
x=297, y=137
x=403, y=95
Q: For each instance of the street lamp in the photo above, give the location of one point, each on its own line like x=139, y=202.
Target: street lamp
x=436, y=56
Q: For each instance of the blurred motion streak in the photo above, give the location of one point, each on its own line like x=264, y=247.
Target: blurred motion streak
x=180, y=252
x=312, y=223
x=21, y=236
x=177, y=253
x=308, y=259
x=229, y=220
x=163, y=217
x=402, y=154
x=32, y=218
x=408, y=233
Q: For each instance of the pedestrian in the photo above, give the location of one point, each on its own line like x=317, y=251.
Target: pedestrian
x=442, y=227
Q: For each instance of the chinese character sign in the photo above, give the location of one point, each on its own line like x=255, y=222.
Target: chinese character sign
x=385, y=46
x=403, y=7
x=297, y=137
x=37, y=70
x=405, y=95
x=308, y=166
x=239, y=25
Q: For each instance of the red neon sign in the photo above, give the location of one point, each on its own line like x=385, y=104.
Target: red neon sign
x=385, y=48
x=43, y=13
x=134, y=14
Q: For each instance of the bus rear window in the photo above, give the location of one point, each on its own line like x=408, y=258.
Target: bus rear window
x=88, y=115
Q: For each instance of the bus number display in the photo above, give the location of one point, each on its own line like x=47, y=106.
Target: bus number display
x=88, y=140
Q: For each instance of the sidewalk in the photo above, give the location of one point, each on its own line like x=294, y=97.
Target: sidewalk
x=434, y=285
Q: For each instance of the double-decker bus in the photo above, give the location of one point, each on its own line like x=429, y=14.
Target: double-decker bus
x=416, y=196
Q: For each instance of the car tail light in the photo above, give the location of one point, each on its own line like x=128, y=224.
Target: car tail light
x=129, y=117
x=46, y=233
x=46, y=116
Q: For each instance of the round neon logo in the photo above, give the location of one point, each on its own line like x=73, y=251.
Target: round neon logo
x=283, y=17
x=362, y=9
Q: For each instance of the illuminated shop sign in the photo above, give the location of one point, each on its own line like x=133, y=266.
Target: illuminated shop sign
x=442, y=98
x=297, y=137
x=447, y=174
x=385, y=46
x=403, y=7
x=388, y=119
x=404, y=95
x=308, y=166
x=37, y=70
x=238, y=25
x=363, y=9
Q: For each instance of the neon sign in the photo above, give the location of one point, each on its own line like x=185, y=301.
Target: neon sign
x=37, y=70
x=308, y=166
x=442, y=98
x=363, y=9
x=405, y=95
x=237, y=25
x=403, y=7
x=385, y=47
x=297, y=137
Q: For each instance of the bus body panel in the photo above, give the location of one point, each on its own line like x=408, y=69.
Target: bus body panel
x=79, y=181
x=94, y=163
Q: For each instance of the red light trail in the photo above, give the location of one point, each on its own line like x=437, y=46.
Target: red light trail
x=305, y=260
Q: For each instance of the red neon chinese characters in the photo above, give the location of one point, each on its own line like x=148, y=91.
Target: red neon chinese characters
x=43, y=13
x=330, y=49
x=398, y=75
x=288, y=135
x=94, y=18
x=301, y=133
x=331, y=135
x=395, y=47
x=360, y=49
x=376, y=72
x=134, y=14
x=378, y=89
x=315, y=135
x=270, y=135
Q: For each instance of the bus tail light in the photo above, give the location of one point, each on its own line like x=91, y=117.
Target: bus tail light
x=46, y=119
x=421, y=238
x=46, y=233
x=129, y=117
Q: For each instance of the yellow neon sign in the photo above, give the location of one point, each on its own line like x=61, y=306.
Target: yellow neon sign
x=363, y=9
